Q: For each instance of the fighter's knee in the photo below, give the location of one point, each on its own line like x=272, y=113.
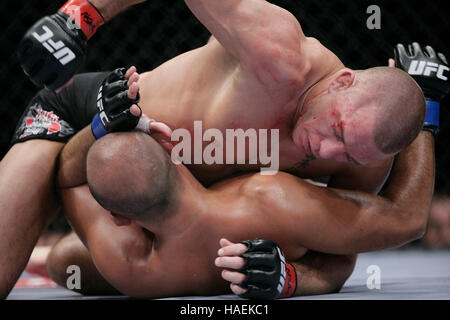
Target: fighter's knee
x=59, y=259
x=348, y=264
x=55, y=264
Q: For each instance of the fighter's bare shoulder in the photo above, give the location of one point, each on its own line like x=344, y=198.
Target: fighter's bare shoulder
x=267, y=187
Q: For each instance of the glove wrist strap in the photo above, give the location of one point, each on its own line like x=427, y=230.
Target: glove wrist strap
x=98, y=129
x=290, y=286
x=85, y=16
x=431, y=122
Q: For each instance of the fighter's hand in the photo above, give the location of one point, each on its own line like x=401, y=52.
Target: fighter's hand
x=230, y=259
x=428, y=68
x=431, y=72
x=117, y=103
x=258, y=269
x=54, y=48
x=160, y=131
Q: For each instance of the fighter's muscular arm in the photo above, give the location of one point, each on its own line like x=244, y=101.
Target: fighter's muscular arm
x=345, y=222
x=265, y=38
x=72, y=163
x=93, y=224
x=127, y=246
x=368, y=178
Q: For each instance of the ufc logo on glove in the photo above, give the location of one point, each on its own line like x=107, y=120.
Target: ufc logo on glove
x=426, y=68
x=58, y=49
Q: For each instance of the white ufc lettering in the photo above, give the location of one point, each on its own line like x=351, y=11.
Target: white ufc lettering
x=426, y=68
x=58, y=49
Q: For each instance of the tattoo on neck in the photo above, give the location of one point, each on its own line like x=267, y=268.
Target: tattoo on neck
x=304, y=163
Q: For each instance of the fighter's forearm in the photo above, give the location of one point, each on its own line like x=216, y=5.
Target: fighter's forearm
x=401, y=214
x=346, y=222
x=111, y=8
x=319, y=273
x=411, y=183
x=72, y=163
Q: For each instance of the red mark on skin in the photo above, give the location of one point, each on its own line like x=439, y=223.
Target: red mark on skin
x=338, y=125
x=265, y=69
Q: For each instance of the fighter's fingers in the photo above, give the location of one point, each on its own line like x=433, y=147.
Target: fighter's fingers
x=225, y=242
x=160, y=127
x=237, y=289
x=391, y=63
x=233, y=276
x=443, y=57
x=430, y=51
x=232, y=250
x=230, y=262
x=130, y=71
x=415, y=49
x=135, y=110
x=133, y=78
x=401, y=50
x=133, y=91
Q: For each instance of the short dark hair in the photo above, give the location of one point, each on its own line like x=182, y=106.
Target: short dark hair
x=131, y=175
x=389, y=138
x=401, y=108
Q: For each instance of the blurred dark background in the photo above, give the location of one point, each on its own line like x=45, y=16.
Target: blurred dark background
x=151, y=33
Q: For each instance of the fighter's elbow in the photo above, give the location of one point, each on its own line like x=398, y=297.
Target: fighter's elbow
x=342, y=268
x=346, y=268
x=413, y=224
x=417, y=229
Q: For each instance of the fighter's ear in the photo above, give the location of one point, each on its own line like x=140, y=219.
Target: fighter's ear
x=342, y=80
x=120, y=221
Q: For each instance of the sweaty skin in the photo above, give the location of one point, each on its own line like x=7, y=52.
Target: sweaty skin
x=283, y=208
x=257, y=74
x=321, y=273
x=176, y=256
x=260, y=79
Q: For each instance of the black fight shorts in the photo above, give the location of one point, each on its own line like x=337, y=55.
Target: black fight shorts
x=58, y=116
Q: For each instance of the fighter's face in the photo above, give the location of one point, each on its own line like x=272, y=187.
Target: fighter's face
x=331, y=128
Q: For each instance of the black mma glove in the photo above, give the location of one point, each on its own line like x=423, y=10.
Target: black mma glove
x=268, y=274
x=431, y=71
x=113, y=106
x=53, y=49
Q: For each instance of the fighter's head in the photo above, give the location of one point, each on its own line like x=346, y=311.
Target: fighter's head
x=132, y=176
x=361, y=116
